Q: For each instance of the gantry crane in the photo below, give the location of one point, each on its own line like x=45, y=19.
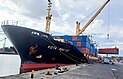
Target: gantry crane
x=78, y=31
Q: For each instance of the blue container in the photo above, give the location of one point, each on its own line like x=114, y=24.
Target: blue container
x=92, y=47
x=96, y=51
x=69, y=38
x=96, y=54
x=91, y=53
x=89, y=46
x=66, y=38
x=79, y=38
x=85, y=45
x=89, y=41
x=57, y=37
x=84, y=38
x=53, y=37
x=61, y=37
x=74, y=43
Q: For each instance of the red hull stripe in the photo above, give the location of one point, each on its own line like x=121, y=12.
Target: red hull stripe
x=29, y=67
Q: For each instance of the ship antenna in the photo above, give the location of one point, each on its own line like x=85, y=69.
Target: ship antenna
x=48, y=17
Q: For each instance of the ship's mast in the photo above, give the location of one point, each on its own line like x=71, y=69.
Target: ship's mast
x=48, y=17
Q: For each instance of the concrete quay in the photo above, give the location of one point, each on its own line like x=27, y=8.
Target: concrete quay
x=82, y=71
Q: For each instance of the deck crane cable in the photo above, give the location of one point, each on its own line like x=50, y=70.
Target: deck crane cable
x=91, y=13
x=48, y=40
x=108, y=20
x=78, y=31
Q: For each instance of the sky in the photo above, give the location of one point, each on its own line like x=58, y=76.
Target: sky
x=65, y=13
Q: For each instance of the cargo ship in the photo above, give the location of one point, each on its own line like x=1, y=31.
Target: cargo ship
x=36, y=47
x=39, y=50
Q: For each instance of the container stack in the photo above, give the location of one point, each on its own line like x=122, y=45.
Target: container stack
x=82, y=43
x=93, y=50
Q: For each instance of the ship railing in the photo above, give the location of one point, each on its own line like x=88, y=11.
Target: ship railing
x=10, y=22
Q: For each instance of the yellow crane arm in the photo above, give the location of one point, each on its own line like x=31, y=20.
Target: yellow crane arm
x=95, y=15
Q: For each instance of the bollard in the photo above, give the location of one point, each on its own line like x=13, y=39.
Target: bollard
x=77, y=64
x=57, y=67
x=48, y=72
x=32, y=74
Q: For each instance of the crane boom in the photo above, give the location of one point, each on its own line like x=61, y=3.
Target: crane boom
x=95, y=15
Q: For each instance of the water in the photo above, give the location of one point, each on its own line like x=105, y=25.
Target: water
x=9, y=64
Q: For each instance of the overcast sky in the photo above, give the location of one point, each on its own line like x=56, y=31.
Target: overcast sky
x=32, y=13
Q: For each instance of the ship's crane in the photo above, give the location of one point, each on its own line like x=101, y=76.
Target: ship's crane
x=48, y=18
x=78, y=31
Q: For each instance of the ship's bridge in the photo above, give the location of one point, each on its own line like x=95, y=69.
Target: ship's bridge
x=9, y=22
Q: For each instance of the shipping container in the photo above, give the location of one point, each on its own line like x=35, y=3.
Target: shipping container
x=92, y=47
x=96, y=52
x=57, y=37
x=74, y=38
x=86, y=45
x=74, y=43
x=65, y=38
x=85, y=38
x=82, y=43
x=85, y=50
x=79, y=38
x=61, y=37
x=69, y=38
x=91, y=53
x=53, y=37
x=108, y=51
x=78, y=44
